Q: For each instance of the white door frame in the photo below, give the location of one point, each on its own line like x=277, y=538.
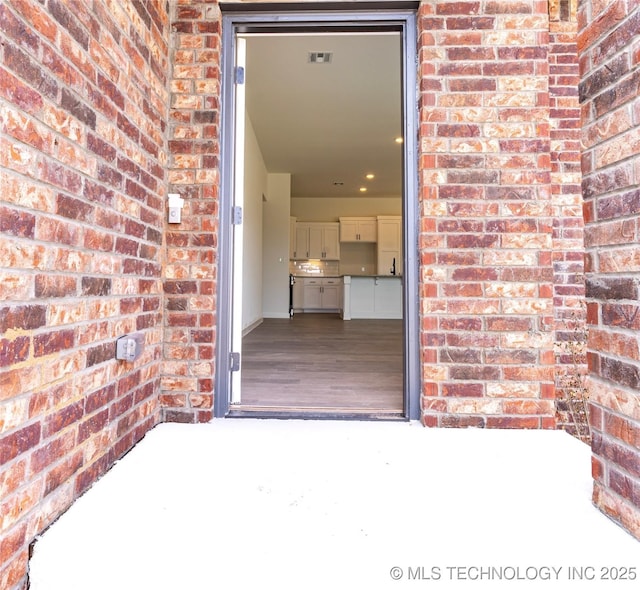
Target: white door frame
x=237, y=224
x=309, y=17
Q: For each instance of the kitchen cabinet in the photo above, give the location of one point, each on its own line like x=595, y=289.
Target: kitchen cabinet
x=292, y=238
x=312, y=298
x=317, y=240
x=358, y=229
x=331, y=293
x=321, y=293
x=329, y=246
x=301, y=242
x=372, y=298
x=389, y=244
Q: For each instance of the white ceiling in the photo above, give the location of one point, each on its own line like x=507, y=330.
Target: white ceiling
x=328, y=122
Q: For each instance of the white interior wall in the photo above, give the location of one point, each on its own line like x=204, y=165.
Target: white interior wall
x=255, y=182
x=331, y=208
x=275, y=250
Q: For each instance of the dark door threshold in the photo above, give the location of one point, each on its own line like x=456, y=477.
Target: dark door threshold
x=314, y=414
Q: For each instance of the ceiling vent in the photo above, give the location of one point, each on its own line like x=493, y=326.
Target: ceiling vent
x=320, y=57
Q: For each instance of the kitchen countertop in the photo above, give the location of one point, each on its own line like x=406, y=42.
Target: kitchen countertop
x=374, y=276
x=303, y=276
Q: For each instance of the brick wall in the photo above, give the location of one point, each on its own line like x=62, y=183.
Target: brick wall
x=501, y=244
x=90, y=91
x=487, y=232
x=610, y=71
x=568, y=225
x=82, y=174
x=191, y=247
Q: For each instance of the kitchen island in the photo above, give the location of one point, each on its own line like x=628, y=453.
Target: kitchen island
x=372, y=297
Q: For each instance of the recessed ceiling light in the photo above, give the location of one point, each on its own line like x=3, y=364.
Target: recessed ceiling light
x=363, y=189
x=370, y=176
x=398, y=139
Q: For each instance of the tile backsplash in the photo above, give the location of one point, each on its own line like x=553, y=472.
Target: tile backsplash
x=314, y=267
x=323, y=268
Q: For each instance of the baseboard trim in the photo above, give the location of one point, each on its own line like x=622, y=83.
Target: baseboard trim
x=251, y=327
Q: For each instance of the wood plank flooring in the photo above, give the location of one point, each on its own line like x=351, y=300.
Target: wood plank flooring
x=320, y=363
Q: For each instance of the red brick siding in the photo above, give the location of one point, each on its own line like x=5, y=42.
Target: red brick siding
x=610, y=74
x=83, y=163
x=191, y=247
x=501, y=206
x=568, y=227
x=82, y=153
x=486, y=242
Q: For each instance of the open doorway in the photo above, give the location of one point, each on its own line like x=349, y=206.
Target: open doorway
x=322, y=274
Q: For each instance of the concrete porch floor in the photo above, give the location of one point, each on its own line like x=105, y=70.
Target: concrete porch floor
x=326, y=504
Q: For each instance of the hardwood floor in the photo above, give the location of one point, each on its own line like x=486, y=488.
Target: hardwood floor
x=320, y=363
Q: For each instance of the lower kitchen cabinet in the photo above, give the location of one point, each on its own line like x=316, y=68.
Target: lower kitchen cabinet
x=312, y=298
x=331, y=293
x=372, y=298
x=321, y=293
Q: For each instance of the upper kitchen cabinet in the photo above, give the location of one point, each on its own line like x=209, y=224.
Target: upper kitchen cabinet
x=300, y=241
x=324, y=241
x=358, y=229
x=389, y=245
x=317, y=240
x=292, y=238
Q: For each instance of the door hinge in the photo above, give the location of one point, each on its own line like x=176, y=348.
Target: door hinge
x=239, y=75
x=237, y=216
x=234, y=361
